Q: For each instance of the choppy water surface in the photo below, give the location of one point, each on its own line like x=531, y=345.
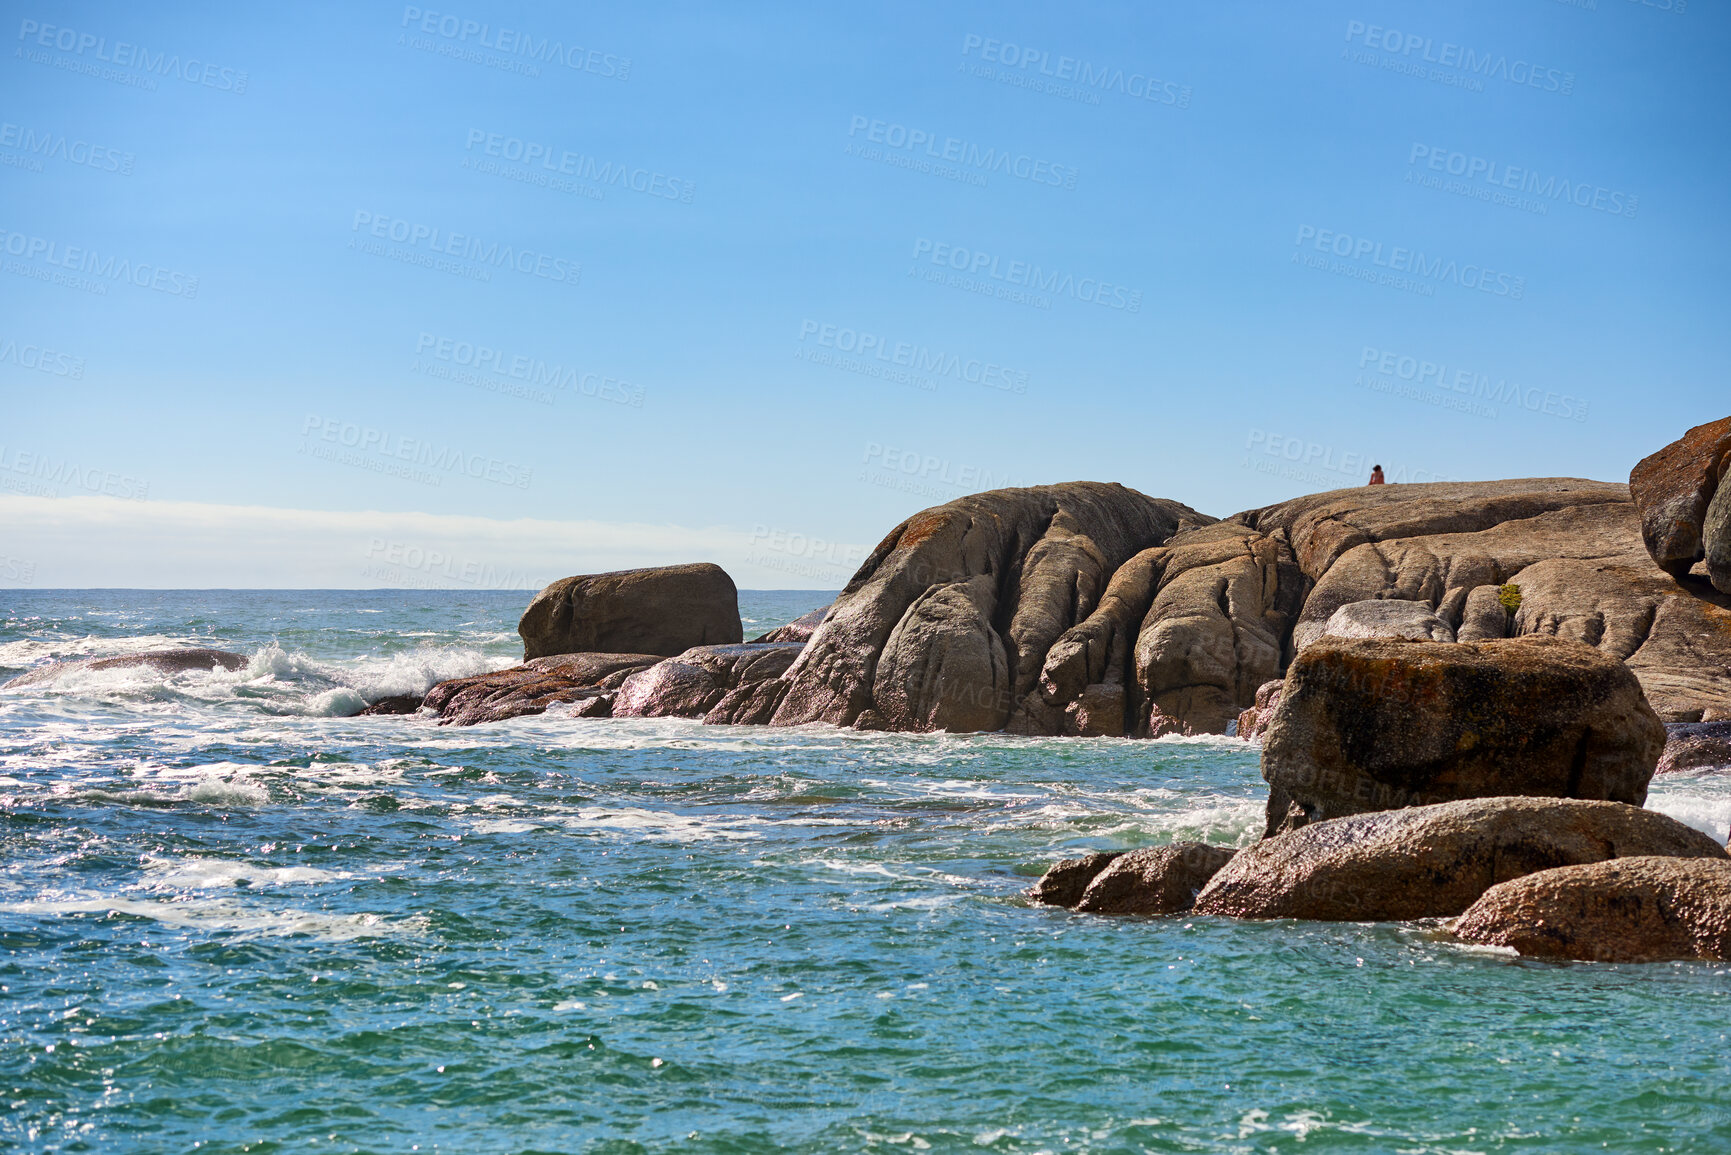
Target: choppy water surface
x=232, y=920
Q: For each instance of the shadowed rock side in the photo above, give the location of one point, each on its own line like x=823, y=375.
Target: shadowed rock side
x=948, y=622
x=1696, y=746
x=1434, y=861
x=162, y=661
x=1375, y=723
x=1625, y=910
x=1685, y=517
x=664, y=610
x=1155, y=879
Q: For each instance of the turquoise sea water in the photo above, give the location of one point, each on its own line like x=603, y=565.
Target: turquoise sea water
x=233, y=920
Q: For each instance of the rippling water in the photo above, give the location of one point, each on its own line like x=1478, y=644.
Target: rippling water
x=232, y=919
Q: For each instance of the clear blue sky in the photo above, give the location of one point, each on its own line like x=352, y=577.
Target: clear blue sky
x=1211, y=238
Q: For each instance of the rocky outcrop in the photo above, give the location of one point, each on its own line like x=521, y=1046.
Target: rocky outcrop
x=1374, y=724
x=702, y=679
x=534, y=686
x=1626, y=910
x=799, y=630
x=664, y=611
x=1696, y=746
x=162, y=661
x=1065, y=883
x=1683, y=520
x=1154, y=880
x=1434, y=861
x=947, y=624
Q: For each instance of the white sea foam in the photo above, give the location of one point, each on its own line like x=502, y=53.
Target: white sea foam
x=227, y=915
x=208, y=873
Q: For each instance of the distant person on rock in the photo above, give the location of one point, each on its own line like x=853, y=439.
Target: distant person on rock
x=1376, y=475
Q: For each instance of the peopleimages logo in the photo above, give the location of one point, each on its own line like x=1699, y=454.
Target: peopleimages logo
x=459, y=31
x=40, y=358
x=1023, y=274
x=91, y=264
x=124, y=55
x=1465, y=62
x=1488, y=179
x=928, y=146
x=1469, y=384
x=1072, y=71
x=580, y=166
x=467, y=248
x=915, y=359
x=46, y=145
x=1399, y=260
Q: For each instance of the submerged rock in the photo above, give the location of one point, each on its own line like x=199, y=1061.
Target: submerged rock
x=532, y=687
x=1674, y=489
x=1154, y=880
x=162, y=661
x=1065, y=882
x=394, y=704
x=1626, y=910
x=1433, y=861
x=1696, y=746
x=664, y=611
x=799, y=630
x=1375, y=724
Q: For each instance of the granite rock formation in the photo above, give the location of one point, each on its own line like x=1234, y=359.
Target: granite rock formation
x=1685, y=510
x=1434, y=861
x=1624, y=910
x=1375, y=723
x=664, y=610
x=1154, y=880
x=1696, y=746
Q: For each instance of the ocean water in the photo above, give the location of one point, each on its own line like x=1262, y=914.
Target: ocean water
x=234, y=919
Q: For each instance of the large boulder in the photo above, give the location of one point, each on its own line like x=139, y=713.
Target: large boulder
x=948, y=622
x=177, y=661
x=533, y=687
x=1682, y=519
x=1154, y=880
x=1373, y=724
x=1067, y=880
x=701, y=679
x=664, y=610
x=1434, y=861
x=1696, y=746
x=1626, y=910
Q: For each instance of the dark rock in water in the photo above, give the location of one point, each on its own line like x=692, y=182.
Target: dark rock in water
x=697, y=681
x=532, y=687
x=162, y=661
x=1066, y=882
x=1625, y=910
x=663, y=611
x=947, y=623
x=395, y=704
x=1674, y=489
x=1155, y=879
x=1696, y=746
x=1253, y=723
x=1374, y=724
x=799, y=630
x=1434, y=861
